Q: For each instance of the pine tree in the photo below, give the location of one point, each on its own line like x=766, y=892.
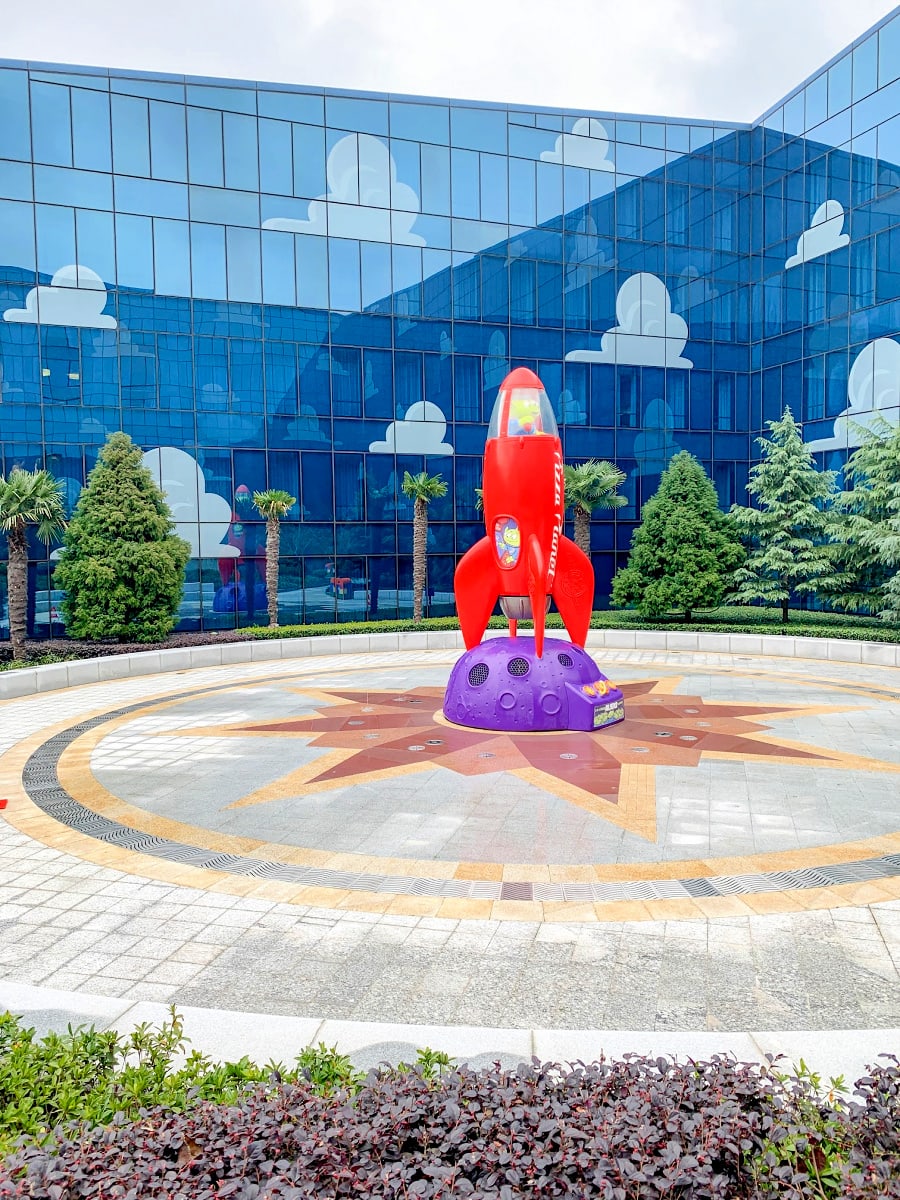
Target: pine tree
x=788, y=530
x=685, y=551
x=122, y=567
x=865, y=528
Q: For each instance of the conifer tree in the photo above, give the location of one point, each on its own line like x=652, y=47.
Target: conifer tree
x=865, y=528
x=787, y=532
x=685, y=551
x=122, y=567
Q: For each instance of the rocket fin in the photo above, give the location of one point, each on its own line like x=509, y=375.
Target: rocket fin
x=476, y=590
x=573, y=589
x=537, y=590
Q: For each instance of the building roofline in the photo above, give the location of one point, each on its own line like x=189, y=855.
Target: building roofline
x=355, y=94
x=851, y=46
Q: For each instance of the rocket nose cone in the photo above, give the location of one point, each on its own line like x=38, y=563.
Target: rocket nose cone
x=521, y=377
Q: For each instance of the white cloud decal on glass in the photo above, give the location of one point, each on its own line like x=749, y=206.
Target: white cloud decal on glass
x=873, y=392
x=586, y=146
x=365, y=200
x=825, y=234
x=202, y=518
x=648, y=333
x=420, y=432
x=75, y=296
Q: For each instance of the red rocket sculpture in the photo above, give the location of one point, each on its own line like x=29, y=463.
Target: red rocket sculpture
x=525, y=559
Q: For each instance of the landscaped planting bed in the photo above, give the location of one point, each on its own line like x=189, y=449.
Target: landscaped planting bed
x=635, y=1129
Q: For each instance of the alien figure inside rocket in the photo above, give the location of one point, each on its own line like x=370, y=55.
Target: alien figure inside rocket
x=525, y=558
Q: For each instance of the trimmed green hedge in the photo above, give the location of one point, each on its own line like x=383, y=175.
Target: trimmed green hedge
x=728, y=619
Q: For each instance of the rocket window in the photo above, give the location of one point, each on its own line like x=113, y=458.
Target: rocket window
x=507, y=541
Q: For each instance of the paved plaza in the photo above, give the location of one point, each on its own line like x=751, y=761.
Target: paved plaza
x=310, y=838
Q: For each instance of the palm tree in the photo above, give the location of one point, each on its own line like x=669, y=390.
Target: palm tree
x=421, y=488
x=26, y=498
x=273, y=504
x=591, y=485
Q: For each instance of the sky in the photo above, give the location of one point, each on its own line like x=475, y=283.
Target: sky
x=728, y=60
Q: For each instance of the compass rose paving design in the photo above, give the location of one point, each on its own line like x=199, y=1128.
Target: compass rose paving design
x=351, y=787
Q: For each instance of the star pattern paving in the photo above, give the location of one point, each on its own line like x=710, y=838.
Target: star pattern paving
x=379, y=734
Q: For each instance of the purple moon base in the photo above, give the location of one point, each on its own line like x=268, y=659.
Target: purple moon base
x=502, y=684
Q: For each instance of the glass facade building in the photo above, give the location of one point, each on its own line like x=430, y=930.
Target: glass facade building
x=277, y=286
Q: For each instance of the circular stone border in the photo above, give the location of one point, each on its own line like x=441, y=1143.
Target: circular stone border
x=26, y=681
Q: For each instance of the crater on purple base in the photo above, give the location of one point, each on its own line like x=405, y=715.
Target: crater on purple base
x=502, y=684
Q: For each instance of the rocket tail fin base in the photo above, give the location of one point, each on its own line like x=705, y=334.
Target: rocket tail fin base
x=475, y=597
x=573, y=590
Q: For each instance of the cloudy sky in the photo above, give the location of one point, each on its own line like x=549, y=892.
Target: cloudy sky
x=728, y=59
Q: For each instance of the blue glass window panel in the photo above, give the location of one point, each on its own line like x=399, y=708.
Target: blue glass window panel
x=494, y=194
x=408, y=381
x=153, y=89
x=309, y=160
x=435, y=179
x=343, y=274
x=576, y=187
x=436, y=290
x=205, y=152
x=406, y=161
x=889, y=52
x=839, y=85
x=363, y=116
x=16, y=180
x=376, y=273
x=530, y=143
x=16, y=236
x=246, y=377
x=242, y=251
x=880, y=106
x=407, y=273
x=312, y=271
x=346, y=392
x=241, y=152
x=378, y=383
x=95, y=242
x=55, y=237
x=522, y=192
x=865, y=67
x=420, y=122
x=218, y=206
x=138, y=372
x=231, y=99
x=523, y=291
x=478, y=129
x=171, y=257
x=130, y=135
x=304, y=107
x=176, y=371
x=465, y=189
x=168, y=141
x=134, y=252
x=151, y=197
x=889, y=141
x=51, y=124
x=91, y=130
x=208, y=274
x=279, y=276
x=816, y=101
x=494, y=289
x=211, y=374
x=62, y=185
x=549, y=192
x=15, y=140
x=276, y=162
x=550, y=294
x=282, y=384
